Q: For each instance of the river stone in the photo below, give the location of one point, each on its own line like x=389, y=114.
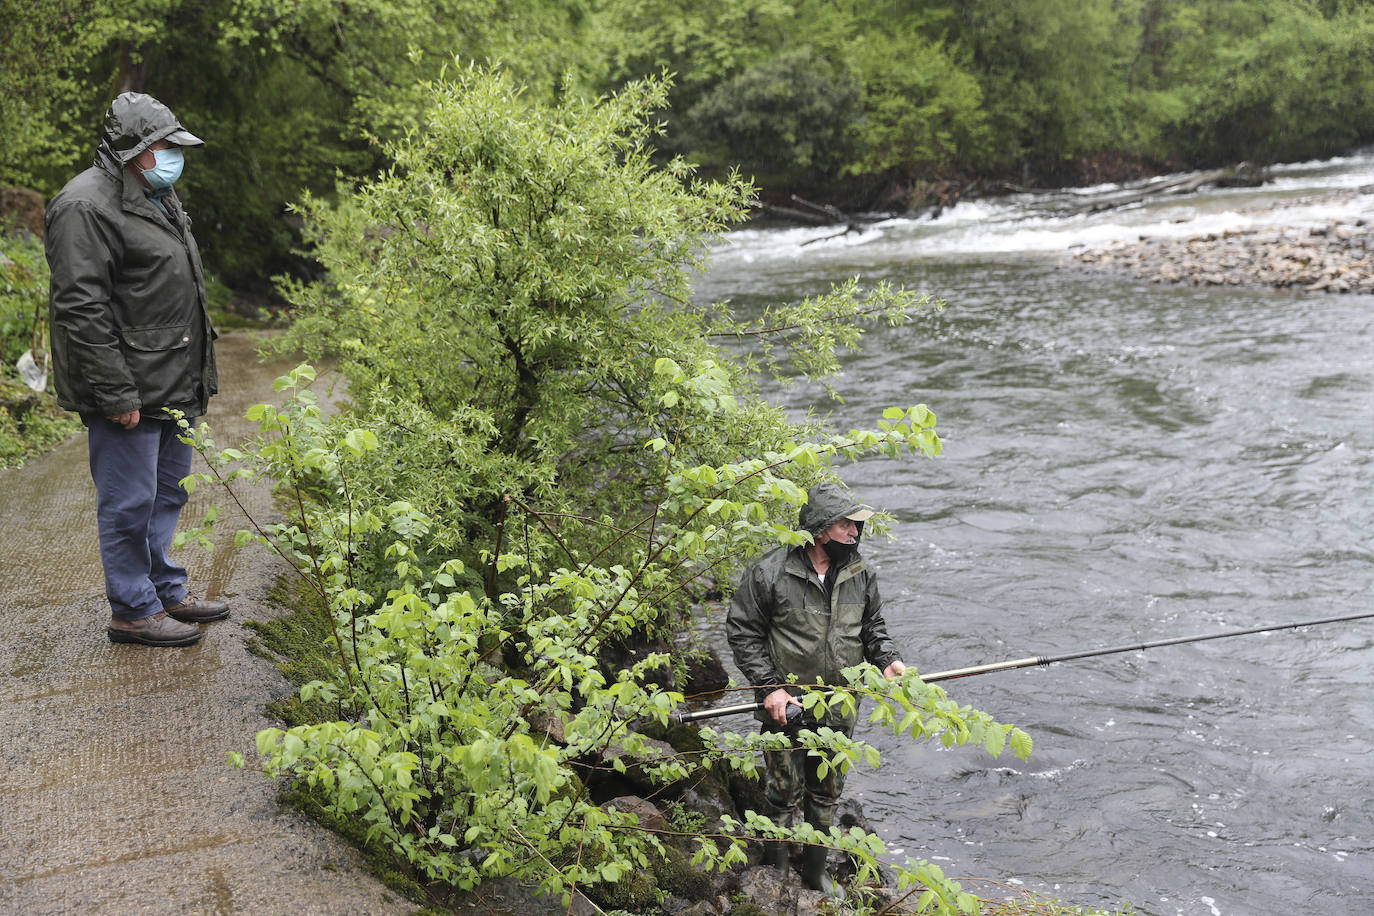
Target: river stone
x=779, y=895
x=676, y=906
x=1333, y=258
x=650, y=817
x=635, y=773
x=708, y=795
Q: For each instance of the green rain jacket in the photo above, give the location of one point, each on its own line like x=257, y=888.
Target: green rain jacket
x=129, y=315
x=783, y=622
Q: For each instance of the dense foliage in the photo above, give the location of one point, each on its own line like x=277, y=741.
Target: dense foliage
x=1008, y=87
x=804, y=94
x=29, y=421
x=545, y=462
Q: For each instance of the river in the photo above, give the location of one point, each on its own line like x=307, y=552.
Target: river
x=1123, y=462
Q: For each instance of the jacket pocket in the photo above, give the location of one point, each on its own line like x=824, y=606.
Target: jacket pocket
x=158, y=339
x=159, y=359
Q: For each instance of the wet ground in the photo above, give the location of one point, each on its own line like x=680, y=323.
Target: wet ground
x=114, y=792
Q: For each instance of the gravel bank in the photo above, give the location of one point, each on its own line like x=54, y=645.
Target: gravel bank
x=1334, y=258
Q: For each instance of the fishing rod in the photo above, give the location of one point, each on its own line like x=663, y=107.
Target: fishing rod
x=1037, y=661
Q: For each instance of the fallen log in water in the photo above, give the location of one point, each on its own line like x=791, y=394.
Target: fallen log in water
x=1243, y=174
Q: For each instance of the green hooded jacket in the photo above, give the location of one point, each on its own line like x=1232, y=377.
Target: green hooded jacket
x=129, y=316
x=783, y=621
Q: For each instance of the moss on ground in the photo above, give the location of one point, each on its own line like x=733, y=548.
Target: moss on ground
x=678, y=876
x=299, y=645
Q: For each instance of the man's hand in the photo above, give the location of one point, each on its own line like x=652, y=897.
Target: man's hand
x=775, y=704
x=128, y=419
x=895, y=669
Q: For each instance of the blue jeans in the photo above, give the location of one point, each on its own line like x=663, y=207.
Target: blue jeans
x=137, y=474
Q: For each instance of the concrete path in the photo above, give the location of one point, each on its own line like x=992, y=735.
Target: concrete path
x=114, y=793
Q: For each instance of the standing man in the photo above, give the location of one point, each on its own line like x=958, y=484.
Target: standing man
x=131, y=338
x=808, y=612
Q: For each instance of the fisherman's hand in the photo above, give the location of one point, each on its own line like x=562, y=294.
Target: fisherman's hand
x=895, y=669
x=128, y=419
x=775, y=704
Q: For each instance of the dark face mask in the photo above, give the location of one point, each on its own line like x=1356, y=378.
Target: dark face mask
x=839, y=552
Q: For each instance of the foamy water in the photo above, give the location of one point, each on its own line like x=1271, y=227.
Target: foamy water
x=1300, y=194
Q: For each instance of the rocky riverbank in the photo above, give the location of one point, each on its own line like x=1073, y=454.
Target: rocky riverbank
x=1334, y=257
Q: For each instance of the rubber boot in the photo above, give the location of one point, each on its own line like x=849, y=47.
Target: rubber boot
x=813, y=872
x=777, y=853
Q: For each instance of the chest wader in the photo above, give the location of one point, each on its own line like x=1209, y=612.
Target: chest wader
x=792, y=778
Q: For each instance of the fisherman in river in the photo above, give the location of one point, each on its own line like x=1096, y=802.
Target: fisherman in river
x=799, y=615
x=131, y=340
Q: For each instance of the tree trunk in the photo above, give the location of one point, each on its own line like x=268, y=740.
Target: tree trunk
x=131, y=74
x=1243, y=174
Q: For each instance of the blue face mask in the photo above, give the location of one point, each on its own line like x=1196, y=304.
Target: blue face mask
x=166, y=169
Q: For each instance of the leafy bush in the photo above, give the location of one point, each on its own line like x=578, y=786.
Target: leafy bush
x=29, y=422
x=545, y=457
x=23, y=296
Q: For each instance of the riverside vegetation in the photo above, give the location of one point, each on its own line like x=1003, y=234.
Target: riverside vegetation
x=546, y=461
x=874, y=105
x=30, y=421
x=882, y=106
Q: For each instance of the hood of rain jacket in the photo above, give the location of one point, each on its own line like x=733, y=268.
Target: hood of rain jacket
x=826, y=504
x=130, y=320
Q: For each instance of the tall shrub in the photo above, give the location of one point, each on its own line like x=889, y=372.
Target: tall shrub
x=546, y=455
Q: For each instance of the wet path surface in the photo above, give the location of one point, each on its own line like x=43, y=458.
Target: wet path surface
x=114, y=792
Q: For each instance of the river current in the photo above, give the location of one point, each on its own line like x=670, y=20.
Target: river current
x=1123, y=462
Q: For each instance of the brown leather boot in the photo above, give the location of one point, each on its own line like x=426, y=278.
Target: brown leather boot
x=198, y=610
x=157, y=630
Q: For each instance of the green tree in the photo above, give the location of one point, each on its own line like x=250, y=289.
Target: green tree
x=286, y=95
x=545, y=455
x=1271, y=79
x=788, y=119
x=1052, y=75
x=43, y=116
x=922, y=107
x=543, y=257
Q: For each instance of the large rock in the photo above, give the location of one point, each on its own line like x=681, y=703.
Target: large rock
x=650, y=817
x=515, y=897
x=778, y=895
